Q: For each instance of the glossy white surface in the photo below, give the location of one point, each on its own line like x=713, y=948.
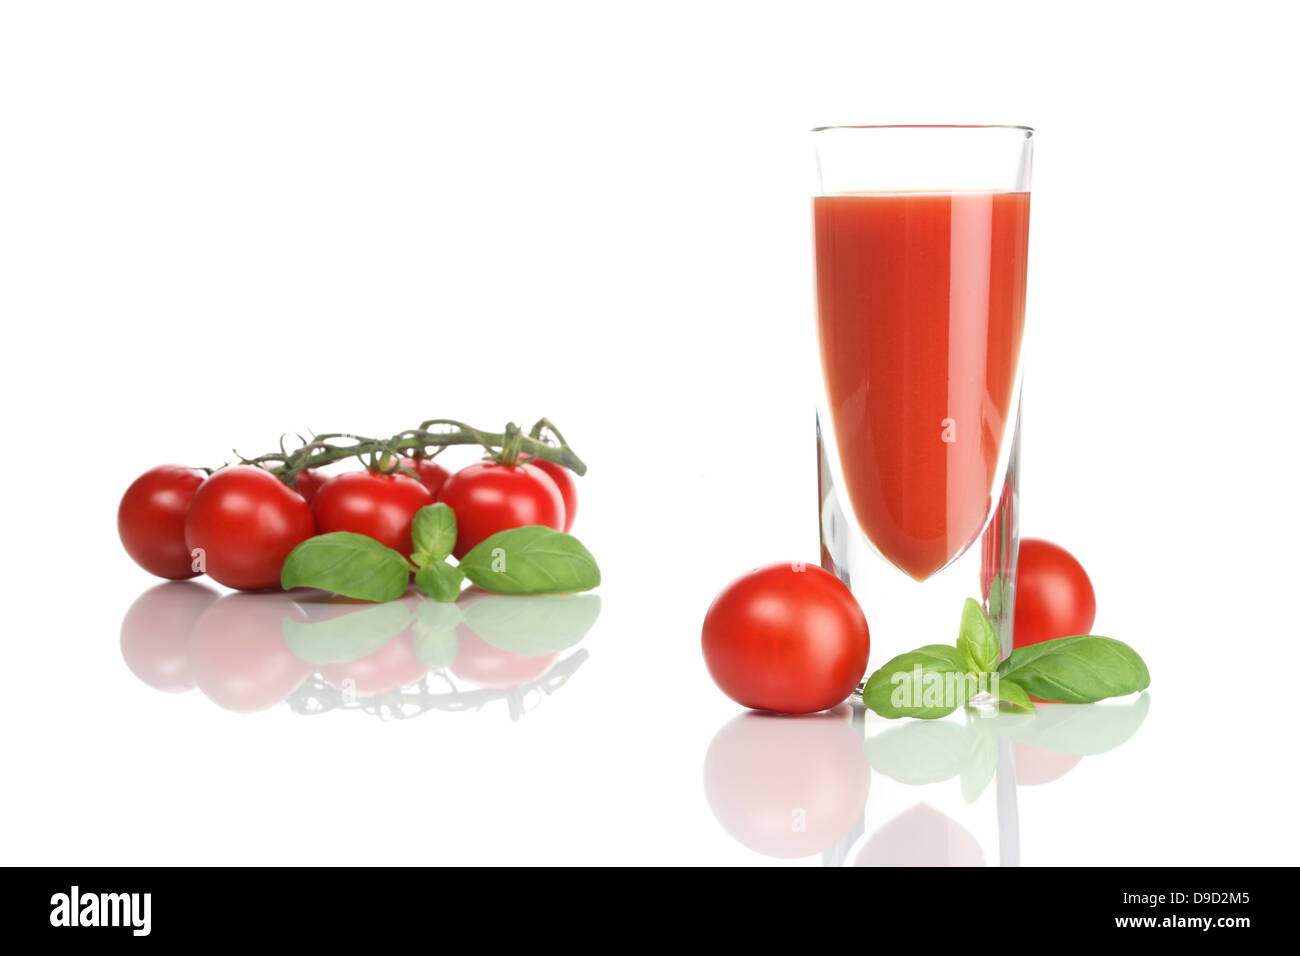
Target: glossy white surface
x=225, y=223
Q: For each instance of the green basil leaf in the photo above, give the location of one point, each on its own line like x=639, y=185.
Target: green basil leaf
x=440, y=581
x=531, y=560
x=1012, y=693
x=1077, y=670
x=434, y=634
x=433, y=533
x=349, y=564
x=977, y=639
x=929, y=682
x=533, y=625
x=348, y=637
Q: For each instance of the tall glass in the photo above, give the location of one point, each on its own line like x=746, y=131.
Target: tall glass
x=921, y=235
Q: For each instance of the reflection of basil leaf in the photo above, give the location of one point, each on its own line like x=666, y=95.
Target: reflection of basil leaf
x=435, y=640
x=440, y=581
x=433, y=533
x=1077, y=670
x=535, y=625
x=980, y=767
x=531, y=560
x=1080, y=729
x=977, y=639
x=920, y=752
x=927, y=683
x=349, y=564
x=348, y=637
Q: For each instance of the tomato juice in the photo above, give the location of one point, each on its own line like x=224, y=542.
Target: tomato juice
x=920, y=307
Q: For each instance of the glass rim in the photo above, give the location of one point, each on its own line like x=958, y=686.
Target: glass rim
x=827, y=129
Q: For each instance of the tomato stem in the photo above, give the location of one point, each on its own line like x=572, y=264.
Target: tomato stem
x=431, y=438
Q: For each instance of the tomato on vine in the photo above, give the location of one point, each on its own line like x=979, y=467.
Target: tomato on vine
x=568, y=486
x=244, y=522
x=151, y=520
x=432, y=475
x=377, y=504
x=489, y=497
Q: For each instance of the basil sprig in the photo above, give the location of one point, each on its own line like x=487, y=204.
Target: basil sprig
x=527, y=560
x=935, y=680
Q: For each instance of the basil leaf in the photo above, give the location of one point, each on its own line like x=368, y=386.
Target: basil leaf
x=349, y=564
x=929, y=682
x=977, y=639
x=531, y=560
x=533, y=625
x=433, y=533
x=434, y=634
x=1077, y=670
x=348, y=637
x=440, y=581
x=1012, y=693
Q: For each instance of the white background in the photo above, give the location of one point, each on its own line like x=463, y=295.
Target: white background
x=224, y=221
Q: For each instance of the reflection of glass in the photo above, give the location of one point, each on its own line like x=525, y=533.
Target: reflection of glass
x=920, y=237
x=249, y=652
x=791, y=787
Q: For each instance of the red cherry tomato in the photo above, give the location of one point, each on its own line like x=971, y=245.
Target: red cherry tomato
x=568, y=485
x=1054, y=597
x=488, y=498
x=377, y=505
x=238, y=653
x=308, y=483
x=246, y=521
x=151, y=520
x=788, y=638
x=156, y=633
x=432, y=475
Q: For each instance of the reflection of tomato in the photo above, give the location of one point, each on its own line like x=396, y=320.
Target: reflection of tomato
x=156, y=633
x=787, y=786
x=246, y=521
x=432, y=475
x=483, y=665
x=238, y=652
x=1054, y=597
x=380, y=506
x=151, y=520
x=488, y=498
x=392, y=666
x=786, y=638
x=568, y=485
x=921, y=836
x=1035, y=766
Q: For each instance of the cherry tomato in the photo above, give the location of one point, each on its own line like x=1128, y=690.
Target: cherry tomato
x=568, y=485
x=240, y=659
x=788, y=638
x=308, y=483
x=1054, y=597
x=151, y=520
x=246, y=521
x=432, y=475
x=377, y=505
x=156, y=633
x=488, y=498
x=787, y=787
